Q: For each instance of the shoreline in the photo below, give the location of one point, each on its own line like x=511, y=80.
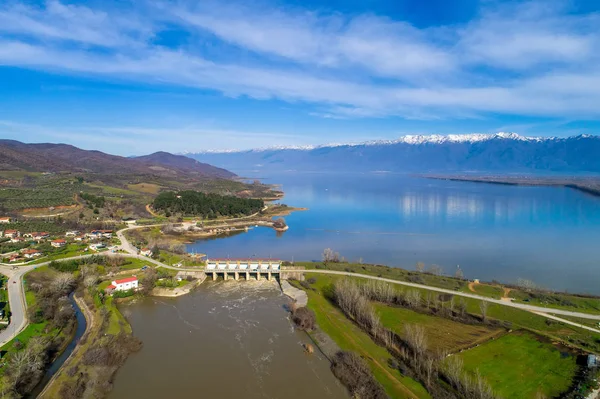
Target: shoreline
x=586, y=185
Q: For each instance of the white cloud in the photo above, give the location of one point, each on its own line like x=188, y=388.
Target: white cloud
x=530, y=59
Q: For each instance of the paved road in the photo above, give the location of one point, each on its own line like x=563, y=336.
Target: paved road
x=530, y=308
x=16, y=299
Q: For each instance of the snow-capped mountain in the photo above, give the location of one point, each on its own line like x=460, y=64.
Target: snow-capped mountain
x=501, y=152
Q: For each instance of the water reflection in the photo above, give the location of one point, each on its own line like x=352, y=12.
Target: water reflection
x=499, y=232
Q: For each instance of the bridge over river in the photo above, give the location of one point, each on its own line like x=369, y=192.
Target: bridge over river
x=245, y=268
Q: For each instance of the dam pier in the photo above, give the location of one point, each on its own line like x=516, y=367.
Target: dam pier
x=243, y=268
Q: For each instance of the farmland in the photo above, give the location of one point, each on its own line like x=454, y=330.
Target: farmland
x=520, y=366
x=350, y=337
x=442, y=334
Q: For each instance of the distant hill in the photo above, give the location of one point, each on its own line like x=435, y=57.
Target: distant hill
x=497, y=153
x=15, y=155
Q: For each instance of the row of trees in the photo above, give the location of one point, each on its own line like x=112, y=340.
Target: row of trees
x=209, y=206
x=410, y=350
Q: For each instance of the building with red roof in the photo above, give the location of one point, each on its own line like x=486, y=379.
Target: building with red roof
x=124, y=284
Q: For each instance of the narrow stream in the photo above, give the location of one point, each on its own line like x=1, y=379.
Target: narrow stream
x=59, y=361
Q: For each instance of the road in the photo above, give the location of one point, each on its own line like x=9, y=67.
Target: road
x=16, y=290
x=16, y=299
x=542, y=311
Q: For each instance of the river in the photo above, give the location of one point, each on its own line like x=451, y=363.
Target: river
x=545, y=234
x=224, y=340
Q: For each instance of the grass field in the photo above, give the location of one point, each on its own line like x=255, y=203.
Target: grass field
x=487, y=290
x=442, y=334
x=349, y=337
x=519, y=366
x=148, y=188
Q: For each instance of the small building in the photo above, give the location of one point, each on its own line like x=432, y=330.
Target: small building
x=106, y=233
x=31, y=253
x=79, y=238
x=58, y=243
x=41, y=236
x=16, y=239
x=97, y=246
x=94, y=234
x=146, y=252
x=15, y=258
x=5, y=219
x=592, y=361
x=72, y=233
x=126, y=284
x=12, y=233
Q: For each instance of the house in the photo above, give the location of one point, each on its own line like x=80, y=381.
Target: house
x=12, y=233
x=94, y=234
x=15, y=258
x=72, y=233
x=31, y=253
x=126, y=284
x=58, y=243
x=4, y=219
x=146, y=252
x=106, y=233
x=79, y=238
x=40, y=236
x=16, y=239
x=97, y=246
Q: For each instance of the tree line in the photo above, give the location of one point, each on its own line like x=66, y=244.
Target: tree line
x=209, y=206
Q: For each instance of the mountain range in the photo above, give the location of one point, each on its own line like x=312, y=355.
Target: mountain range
x=491, y=153
x=45, y=157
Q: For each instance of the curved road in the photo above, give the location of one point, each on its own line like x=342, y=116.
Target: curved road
x=16, y=292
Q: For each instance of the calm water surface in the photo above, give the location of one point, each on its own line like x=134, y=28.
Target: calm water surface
x=225, y=340
x=548, y=235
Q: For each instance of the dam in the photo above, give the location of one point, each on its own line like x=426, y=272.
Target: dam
x=243, y=268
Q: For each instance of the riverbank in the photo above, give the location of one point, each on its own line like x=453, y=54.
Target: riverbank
x=89, y=320
x=104, y=348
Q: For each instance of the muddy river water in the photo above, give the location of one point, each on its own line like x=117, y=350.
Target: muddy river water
x=224, y=340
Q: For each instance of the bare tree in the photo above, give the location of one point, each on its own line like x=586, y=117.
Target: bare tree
x=459, y=273
x=413, y=298
x=435, y=270
x=525, y=284
x=420, y=267
x=63, y=283
x=415, y=338
x=330, y=256
x=483, y=306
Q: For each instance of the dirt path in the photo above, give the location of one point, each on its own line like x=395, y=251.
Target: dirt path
x=472, y=286
x=506, y=292
x=150, y=211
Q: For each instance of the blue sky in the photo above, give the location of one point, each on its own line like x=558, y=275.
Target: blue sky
x=133, y=77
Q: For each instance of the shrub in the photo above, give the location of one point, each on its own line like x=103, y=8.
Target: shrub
x=351, y=370
x=312, y=280
x=304, y=318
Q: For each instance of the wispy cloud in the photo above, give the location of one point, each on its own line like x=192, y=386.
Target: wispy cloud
x=531, y=59
x=135, y=140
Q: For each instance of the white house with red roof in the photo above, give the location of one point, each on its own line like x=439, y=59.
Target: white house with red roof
x=58, y=243
x=31, y=253
x=125, y=284
x=4, y=219
x=12, y=233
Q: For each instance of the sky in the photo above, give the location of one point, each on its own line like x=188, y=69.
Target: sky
x=133, y=77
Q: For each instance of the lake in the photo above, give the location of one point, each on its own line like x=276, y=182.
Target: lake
x=545, y=234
